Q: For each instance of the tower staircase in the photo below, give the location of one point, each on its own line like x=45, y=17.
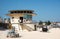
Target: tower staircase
x=25, y=27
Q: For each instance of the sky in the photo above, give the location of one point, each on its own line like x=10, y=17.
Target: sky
x=45, y=9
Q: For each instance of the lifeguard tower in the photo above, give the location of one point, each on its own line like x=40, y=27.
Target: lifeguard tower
x=22, y=19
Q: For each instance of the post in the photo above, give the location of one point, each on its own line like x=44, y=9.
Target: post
x=35, y=27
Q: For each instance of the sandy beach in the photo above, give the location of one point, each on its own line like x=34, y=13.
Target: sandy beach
x=53, y=33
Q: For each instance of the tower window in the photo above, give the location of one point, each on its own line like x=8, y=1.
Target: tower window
x=24, y=11
x=15, y=11
x=18, y=11
x=30, y=12
x=12, y=12
x=27, y=11
x=21, y=11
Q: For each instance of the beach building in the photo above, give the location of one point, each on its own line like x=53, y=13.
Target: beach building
x=22, y=19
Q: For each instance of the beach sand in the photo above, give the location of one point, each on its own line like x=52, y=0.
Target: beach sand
x=53, y=33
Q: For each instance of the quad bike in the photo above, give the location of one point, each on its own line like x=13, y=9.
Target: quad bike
x=12, y=33
x=44, y=29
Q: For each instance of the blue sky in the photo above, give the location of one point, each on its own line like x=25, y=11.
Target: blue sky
x=45, y=9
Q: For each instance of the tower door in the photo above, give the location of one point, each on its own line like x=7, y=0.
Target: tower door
x=21, y=18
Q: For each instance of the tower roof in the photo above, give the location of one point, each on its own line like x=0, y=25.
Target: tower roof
x=21, y=11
